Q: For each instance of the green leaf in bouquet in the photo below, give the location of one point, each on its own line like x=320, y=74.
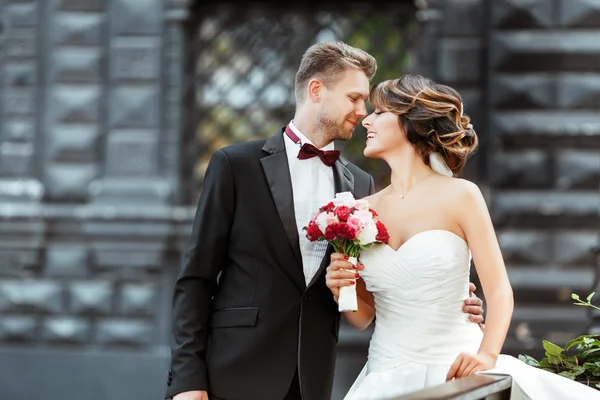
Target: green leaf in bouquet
x=589, y=298
x=598, y=385
x=546, y=364
x=529, y=360
x=574, y=296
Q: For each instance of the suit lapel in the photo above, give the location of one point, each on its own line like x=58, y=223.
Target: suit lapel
x=344, y=182
x=342, y=177
x=277, y=172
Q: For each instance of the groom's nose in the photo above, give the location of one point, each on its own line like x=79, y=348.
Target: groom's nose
x=361, y=110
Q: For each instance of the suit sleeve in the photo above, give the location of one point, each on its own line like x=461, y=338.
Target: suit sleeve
x=197, y=281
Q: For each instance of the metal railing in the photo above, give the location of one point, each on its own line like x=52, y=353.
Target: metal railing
x=474, y=387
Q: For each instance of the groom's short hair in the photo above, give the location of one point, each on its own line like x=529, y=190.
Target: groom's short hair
x=327, y=61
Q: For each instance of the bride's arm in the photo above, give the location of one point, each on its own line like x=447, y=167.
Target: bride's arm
x=340, y=273
x=474, y=218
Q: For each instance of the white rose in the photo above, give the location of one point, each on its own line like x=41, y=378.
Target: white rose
x=364, y=216
x=368, y=234
x=324, y=219
x=344, y=199
x=362, y=204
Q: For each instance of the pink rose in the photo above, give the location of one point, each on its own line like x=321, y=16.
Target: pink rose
x=364, y=216
x=354, y=222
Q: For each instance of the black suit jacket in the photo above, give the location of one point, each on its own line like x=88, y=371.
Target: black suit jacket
x=243, y=317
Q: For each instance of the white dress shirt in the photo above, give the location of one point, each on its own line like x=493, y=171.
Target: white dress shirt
x=312, y=187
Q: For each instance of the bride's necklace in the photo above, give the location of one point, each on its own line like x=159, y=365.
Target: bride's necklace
x=402, y=195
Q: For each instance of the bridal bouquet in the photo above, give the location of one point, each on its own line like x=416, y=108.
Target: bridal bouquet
x=350, y=226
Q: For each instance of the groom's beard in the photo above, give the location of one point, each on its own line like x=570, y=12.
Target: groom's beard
x=331, y=129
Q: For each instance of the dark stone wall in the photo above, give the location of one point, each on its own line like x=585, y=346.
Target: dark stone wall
x=98, y=123
x=544, y=160
x=91, y=225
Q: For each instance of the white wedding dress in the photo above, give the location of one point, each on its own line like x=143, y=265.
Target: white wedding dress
x=420, y=327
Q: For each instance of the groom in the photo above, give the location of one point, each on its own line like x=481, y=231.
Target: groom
x=252, y=317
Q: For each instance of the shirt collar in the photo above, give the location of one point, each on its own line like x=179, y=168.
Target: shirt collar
x=304, y=139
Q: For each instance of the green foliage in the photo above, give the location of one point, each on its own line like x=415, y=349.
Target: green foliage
x=580, y=358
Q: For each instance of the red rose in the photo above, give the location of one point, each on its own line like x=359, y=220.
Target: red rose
x=347, y=231
x=313, y=232
x=331, y=231
x=382, y=233
x=373, y=212
x=327, y=207
x=342, y=212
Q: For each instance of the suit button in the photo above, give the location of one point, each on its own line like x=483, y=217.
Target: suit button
x=309, y=297
x=169, y=378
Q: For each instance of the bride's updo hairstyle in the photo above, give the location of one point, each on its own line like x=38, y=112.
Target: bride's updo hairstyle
x=432, y=117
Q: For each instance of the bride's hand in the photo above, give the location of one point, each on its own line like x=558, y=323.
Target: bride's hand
x=467, y=364
x=341, y=272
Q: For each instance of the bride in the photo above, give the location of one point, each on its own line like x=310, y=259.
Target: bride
x=436, y=223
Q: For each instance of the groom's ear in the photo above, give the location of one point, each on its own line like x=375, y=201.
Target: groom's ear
x=315, y=90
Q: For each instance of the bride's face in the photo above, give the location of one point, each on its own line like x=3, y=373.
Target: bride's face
x=384, y=134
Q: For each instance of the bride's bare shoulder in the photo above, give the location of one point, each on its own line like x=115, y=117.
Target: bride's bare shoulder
x=464, y=190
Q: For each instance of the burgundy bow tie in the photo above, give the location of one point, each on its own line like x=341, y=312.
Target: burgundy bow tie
x=329, y=157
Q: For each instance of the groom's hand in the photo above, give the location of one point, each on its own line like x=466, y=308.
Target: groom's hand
x=192, y=395
x=474, y=307
x=341, y=272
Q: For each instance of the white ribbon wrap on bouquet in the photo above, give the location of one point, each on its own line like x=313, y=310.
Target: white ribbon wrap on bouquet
x=347, y=300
